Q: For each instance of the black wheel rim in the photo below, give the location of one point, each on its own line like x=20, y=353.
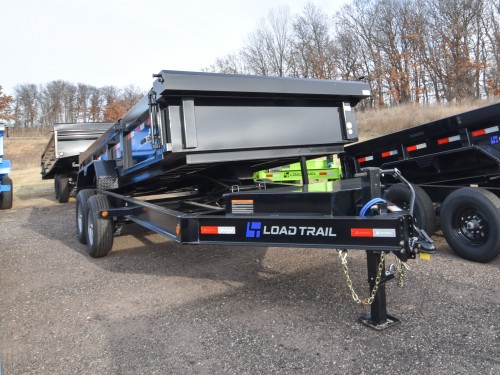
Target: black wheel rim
x=470, y=226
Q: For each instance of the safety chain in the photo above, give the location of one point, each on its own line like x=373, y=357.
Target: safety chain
x=364, y=301
x=401, y=273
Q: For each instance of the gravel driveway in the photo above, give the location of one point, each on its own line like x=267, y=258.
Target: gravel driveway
x=155, y=307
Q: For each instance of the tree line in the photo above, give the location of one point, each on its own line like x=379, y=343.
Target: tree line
x=35, y=106
x=61, y=101
x=409, y=51
x=420, y=51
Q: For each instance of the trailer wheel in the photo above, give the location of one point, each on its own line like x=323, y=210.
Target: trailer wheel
x=425, y=216
x=56, y=186
x=62, y=188
x=6, y=198
x=81, y=213
x=470, y=219
x=99, y=229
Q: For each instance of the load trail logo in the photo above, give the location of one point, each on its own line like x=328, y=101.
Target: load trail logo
x=255, y=229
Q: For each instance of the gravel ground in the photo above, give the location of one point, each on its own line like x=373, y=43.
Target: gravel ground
x=155, y=307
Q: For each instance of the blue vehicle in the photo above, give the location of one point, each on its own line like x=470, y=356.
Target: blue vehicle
x=6, y=190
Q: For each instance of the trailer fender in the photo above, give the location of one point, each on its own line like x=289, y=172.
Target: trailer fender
x=100, y=174
x=425, y=216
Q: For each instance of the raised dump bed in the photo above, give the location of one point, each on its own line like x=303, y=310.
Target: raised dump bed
x=214, y=126
x=59, y=160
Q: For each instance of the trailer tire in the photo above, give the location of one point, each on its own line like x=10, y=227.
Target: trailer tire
x=99, y=230
x=424, y=213
x=56, y=186
x=470, y=219
x=6, y=198
x=62, y=189
x=81, y=213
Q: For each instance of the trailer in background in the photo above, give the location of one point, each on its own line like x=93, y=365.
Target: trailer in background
x=59, y=161
x=6, y=187
x=454, y=164
x=317, y=170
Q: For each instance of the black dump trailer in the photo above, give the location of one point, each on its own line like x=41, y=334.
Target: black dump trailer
x=454, y=164
x=181, y=162
x=59, y=161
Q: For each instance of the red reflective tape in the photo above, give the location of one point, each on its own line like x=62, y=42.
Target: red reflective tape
x=366, y=158
x=443, y=141
x=416, y=147
x=269, y=175
x=477, y=133
x=322, y=173
x=148, y=122
x=209, y=230
x=412, y=148
x=361, y=232
x=389, y=153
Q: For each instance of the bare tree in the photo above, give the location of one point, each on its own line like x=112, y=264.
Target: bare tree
x=314, y=50
x=27, y=106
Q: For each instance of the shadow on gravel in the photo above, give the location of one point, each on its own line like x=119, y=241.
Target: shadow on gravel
x=247, y=310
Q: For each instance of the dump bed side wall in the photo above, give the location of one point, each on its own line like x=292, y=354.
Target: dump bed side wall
x=191, y=123
x=460, y=148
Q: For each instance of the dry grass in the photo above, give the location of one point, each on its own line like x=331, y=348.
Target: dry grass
x=373, y=123
x=24, y=149
x=29, y=188
x=24, y=152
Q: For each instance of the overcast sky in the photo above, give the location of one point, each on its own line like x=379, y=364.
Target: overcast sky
x=122, y=42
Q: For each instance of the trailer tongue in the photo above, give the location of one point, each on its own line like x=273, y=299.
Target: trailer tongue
x=181, y=163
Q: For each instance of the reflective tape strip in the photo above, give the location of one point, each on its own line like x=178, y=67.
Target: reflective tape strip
x=389, y=153
x=365, y=159
x=117, y=146
x=207, y=229
x=417, y=147
x=444, y=141
x=478, y=133
x=373, y=232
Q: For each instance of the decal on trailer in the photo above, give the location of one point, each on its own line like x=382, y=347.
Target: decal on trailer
x=255, y=229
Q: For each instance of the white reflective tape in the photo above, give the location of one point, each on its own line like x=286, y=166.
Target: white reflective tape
x=226, y=230
x=384, y=232
x=491, y=130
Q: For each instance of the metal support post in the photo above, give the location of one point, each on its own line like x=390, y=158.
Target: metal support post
x=378, y=319
x=303, y=169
